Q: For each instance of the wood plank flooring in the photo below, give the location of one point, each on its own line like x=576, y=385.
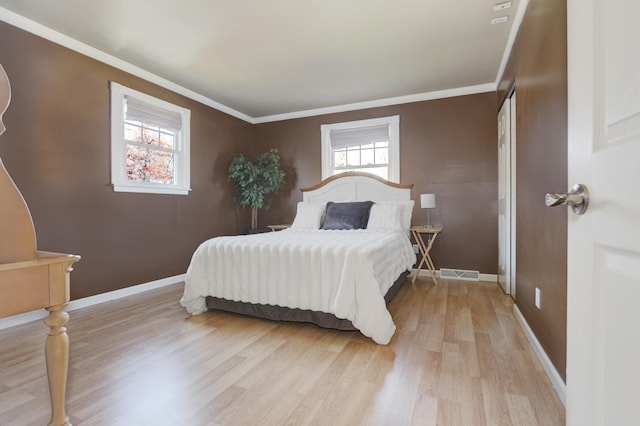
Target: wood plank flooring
x=458, y=358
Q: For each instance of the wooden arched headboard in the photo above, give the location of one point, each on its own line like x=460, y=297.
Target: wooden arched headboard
x=356, y=186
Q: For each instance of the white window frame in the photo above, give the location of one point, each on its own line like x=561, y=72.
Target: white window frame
x=118, y=145
x=393, y=123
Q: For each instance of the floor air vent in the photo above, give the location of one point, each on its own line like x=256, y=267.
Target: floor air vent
x=459, y=274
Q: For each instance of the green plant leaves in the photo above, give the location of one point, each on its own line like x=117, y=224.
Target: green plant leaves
x=254, y=181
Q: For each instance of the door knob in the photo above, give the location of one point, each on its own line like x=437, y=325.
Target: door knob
x=577, y=199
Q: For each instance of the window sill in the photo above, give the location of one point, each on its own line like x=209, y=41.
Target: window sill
x=151, y=189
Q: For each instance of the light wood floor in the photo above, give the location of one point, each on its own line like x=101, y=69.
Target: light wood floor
x=458, y=358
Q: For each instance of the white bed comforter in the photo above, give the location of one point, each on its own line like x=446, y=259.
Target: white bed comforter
x=345, y=273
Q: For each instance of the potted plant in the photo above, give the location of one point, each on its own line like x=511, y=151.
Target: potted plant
x=255, y=180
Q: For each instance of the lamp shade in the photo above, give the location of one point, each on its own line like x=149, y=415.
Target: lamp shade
x=427, y=201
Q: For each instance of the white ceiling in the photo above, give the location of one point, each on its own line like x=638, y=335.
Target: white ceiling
x=268, y=59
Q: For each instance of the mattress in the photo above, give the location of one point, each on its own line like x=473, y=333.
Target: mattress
x=345, y=273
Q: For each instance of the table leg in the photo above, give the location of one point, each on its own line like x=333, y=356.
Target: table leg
x=57, y=359
x=430, y=265
x=421, y=247
x=424, y=252
x=432, y=268
x=425, y=249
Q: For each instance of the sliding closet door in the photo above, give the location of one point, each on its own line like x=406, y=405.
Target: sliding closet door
x=506, y=198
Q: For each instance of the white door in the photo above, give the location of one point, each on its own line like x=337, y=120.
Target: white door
x=504, y=196
x=603, y=317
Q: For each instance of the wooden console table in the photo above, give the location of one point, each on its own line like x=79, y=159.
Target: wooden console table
x=31, y=279
x=43, y=283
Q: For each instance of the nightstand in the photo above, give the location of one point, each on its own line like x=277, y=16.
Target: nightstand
x=419, y=233
x=278, y=227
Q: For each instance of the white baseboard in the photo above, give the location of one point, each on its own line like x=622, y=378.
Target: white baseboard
x=92, y=300
x=493, y=278
x=552, y=373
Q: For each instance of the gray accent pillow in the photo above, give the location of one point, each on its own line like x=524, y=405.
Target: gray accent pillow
x=354, y=215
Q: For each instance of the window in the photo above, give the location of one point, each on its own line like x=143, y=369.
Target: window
x=370, y=146
x=149, y=143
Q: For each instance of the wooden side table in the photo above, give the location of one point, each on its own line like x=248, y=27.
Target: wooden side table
x=278, y=227
x=431, y=233
x=43, y=283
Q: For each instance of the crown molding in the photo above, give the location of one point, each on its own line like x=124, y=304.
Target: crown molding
x=428, y=96
x=515, y=27
x=47, y=33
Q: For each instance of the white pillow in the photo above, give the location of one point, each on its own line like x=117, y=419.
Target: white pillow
x=385, y=216
x=406, y=211
x=308, y=216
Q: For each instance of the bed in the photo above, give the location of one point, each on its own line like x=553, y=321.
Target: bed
x=344, y=257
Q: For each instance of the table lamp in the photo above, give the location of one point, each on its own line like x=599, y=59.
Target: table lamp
x=428, y=201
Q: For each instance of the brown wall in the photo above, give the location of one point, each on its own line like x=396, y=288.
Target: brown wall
x=538, y=68
x=447, y=146
x=57, y=149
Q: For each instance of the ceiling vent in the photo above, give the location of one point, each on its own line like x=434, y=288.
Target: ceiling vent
x=499, y=20
x=501, y=6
